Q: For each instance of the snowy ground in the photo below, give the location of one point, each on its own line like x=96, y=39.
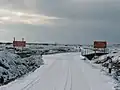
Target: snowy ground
x=16, y=62
x=63, y=72
x=13, y=66
x=103, y=63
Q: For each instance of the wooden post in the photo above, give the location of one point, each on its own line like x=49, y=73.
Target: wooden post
x=13, y=45
x=110, y=64
x=95, y=51
x=104, y=50
x=22, y=46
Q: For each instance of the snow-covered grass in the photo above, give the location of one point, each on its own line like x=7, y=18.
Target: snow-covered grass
x=102, y=63
x=42, y=49
x=51, y=49
x=13, y=66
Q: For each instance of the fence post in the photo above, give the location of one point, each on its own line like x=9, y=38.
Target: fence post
x=14, y=45
x=110, y=64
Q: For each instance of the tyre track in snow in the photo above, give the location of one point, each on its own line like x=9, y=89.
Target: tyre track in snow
x=70, y=78
x=37, y=79
x=82, y=76
x=31, y=82
x=62, y=76
x=66, y=79
x=68, y=84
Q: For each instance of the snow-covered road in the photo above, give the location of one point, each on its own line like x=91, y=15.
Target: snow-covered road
x=63, y=72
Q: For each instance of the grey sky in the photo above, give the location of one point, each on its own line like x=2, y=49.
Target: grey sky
x=61, y=21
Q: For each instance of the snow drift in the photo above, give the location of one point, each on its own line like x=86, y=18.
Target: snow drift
x=103, y=64
x=13, y=66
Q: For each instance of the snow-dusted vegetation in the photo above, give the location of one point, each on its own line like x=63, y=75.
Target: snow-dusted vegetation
x=17, y=62
x=13, y=66
x=102, y=63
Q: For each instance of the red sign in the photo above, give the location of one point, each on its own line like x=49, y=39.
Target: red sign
x=100, y=44
x=19, y=43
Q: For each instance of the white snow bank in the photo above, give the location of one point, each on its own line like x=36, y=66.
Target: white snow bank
x=103, y=63
x=102, y=59
x=12, y=66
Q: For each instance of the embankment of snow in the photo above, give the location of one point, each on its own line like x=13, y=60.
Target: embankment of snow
x=13, y=66
x=103, y=65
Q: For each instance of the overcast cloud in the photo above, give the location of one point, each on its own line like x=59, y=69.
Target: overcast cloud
x=61, y=21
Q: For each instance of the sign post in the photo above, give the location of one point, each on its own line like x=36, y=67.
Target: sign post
x=19, y=43
x=14, y=45
x=100, y=45
x=110, y=64
x=22, y=46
